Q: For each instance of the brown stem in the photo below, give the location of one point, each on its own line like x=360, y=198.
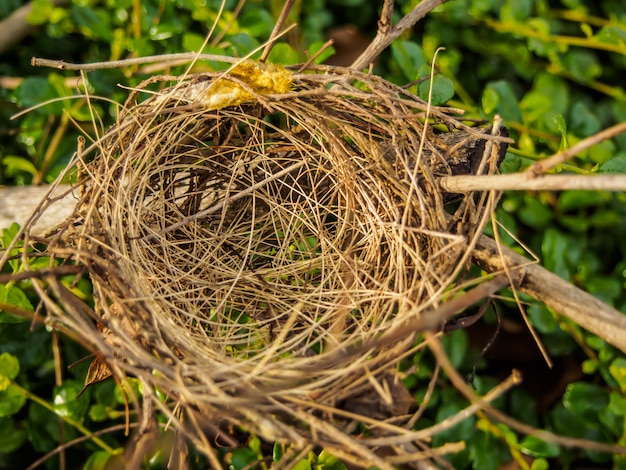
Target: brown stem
x=277, y=27
x=544, y=165
x=386, y=36
x=524, y=182
x=556, y=293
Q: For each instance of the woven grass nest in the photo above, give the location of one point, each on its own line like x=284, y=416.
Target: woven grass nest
x=249, y=233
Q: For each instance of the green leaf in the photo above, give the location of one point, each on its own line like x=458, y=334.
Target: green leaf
x=409, y=57
x=14, y=165
x=257, y=22
x=98, y=412
x=490, y=100
x=536, y=447
x=243, y=44
x=94, y=23
x=283, y=53
x=481, y=451
x=9, y=365
x=618, y=371
x=329, y=461
x=443, y=88
x=554, y=248
x=542, y=319
x=540, y=464
x=578, y=199
x=614, y=165
x=507, y=103
x=522, y=405
x=582, y=121
x=97, y=461
x=11, y=436
x=549, y=96
x=511, y=163
x=612, y=34
x=561, y=127
x=243, y=457
x=315, y=47
x=583, y=65
x=518, y=10
x=534, y=214
x=11, y=400
x=14, y=296
x=602, y=152
x=37, y=90
x=617, y=404
x=66, y=403
x=451, y=404
x=192, y=42
x=303, y=464
x=585, y=400
x=590, y=366
x=40, y=12
x=8, y=234
x=277, y=452
x=605, y=288
x=456, y=345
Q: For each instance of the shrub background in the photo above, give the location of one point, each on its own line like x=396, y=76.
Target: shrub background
x=552, y=69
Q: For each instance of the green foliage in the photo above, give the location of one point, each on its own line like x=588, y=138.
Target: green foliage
x=553, y=71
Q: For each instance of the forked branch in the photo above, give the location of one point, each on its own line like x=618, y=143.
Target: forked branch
x=387, y=33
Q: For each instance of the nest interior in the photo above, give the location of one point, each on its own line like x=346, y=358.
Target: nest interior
x=241, y=228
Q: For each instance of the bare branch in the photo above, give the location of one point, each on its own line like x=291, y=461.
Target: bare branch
x=525, y=182
x=384, y=24
x=386, y=36
x=555, y=292
x=561, y=157
x=277, y=27
x=185, y=56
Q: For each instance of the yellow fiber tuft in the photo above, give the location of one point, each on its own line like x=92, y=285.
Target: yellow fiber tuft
x=258, y=78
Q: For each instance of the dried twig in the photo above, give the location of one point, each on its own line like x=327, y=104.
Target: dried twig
x=561, y=296
x=276, y=30
x=544, y=165
x=527, y=182
x=113, y=64
x=461, y=385
x=386, y=35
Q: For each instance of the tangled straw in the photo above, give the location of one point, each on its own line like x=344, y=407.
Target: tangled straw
x=241, y=227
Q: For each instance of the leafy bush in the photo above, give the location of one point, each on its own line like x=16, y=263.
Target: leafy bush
x=553, y=70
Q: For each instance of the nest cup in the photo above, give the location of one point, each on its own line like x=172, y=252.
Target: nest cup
x=243, y=228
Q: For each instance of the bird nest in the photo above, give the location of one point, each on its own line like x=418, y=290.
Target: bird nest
x=250, y=233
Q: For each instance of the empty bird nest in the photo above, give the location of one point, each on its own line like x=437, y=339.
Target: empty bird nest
x=252, y=234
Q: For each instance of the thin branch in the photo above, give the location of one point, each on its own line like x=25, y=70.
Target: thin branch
x=386, y=36
x=386, y=15
x=41, y=273
x=277, y=27
x=525, y=182
x=555, y=292
x=544, y=165
x=461, y=385
x=513, y=380
x=184, y=56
